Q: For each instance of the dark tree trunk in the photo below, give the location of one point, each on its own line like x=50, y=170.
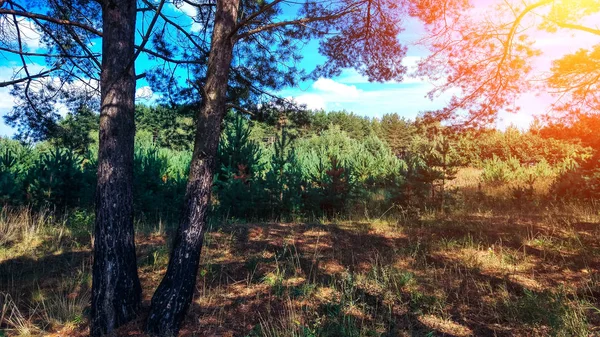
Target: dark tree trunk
x=116, y=290
x=174, y=294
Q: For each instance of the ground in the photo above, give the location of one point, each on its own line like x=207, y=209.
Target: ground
x=475, y=271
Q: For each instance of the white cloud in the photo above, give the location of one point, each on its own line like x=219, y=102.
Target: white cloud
x=61, y=109
x=312, y=101
x=7, y=101
x=191, y=12
x=144, y=93
x=327, y=92
x=330, y=86
x=351, y=76
x=531, y=105
x=31, y=36
x=196, y=27
x=186, y=8
x=8, y=73
x=408, y=100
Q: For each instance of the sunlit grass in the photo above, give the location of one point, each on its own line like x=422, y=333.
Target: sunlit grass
x=497, y=266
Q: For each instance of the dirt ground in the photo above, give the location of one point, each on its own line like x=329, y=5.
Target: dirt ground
x=460, y=275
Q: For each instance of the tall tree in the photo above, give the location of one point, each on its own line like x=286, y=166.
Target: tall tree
x=360, y=34
x=397, y=132
x=486, y=55
x=116, y=290
x=67, y=30
x=174, y=294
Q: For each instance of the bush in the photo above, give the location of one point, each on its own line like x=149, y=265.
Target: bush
x=497, y=172
x=239, y=172
x=61, y=179
x=578, y=182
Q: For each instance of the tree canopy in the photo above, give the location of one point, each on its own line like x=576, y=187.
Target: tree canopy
x=487, y=56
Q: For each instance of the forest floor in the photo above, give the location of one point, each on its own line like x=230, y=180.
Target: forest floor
x=467, y=273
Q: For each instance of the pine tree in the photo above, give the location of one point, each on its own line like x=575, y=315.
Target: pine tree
x=442, y=161
x=397, y=132
x=283, y=180
x=239, y=169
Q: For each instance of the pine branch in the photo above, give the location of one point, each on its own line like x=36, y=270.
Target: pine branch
x=50, y=19
x=28, y=78
x=300, y=22
x=577, y=27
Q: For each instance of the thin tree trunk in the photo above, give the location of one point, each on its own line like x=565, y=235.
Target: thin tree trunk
x=116, y=289
x=174, y=294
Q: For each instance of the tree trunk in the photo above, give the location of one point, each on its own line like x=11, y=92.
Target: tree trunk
x=116, y=289
x=174, y=294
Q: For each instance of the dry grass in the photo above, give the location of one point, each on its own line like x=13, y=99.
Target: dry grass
x=14, y=320
x=20, y=226
x=478, y=271
x=66, y=307
x=44, y=273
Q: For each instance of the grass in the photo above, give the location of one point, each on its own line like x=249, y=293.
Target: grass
x=16, y=322
x=67, y=306
x=481, y=269
x=20, y=226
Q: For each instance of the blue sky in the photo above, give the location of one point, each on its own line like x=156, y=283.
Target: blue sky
x=350, y=91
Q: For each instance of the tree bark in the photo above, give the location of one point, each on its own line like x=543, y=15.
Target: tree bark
x=174, y=294
x=116, y=290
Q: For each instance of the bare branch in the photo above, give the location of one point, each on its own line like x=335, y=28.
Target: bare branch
x=167, y=58
x=50, y=19
x=190, y=38
x=577, y=27
x=62, y=48
x=239, y=108
x=302, y=21
x=513, y=29
x=27, y=78
x=255, y=15
x=147, y=36
x=24, y=53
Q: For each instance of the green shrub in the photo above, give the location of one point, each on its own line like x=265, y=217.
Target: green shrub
x=498, y=172
x=239, y=176
x=62, y=179
x=581, y=182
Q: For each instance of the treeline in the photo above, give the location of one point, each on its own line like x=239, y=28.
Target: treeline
x=305, y=164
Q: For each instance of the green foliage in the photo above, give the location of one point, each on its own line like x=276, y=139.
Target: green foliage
x=169, y=127
x=9, y=177
x=60, y=178
x=329, y=174
x=341, y=172
x=75, y=130
x=326, y=161
x=397, y=132
x=285, y=165
x=582, y=130
x=239, y=170
x=356, y=127
x=374, y=162
x=157, y=188
x=432, y=160
x=526, y=147
x=497, y=172
x=283, y=184
x=578, y=181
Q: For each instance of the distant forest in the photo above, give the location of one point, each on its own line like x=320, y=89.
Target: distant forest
x=307, y=164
